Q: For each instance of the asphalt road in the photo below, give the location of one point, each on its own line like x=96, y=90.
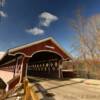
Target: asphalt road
x=64, y=90
x=70, y=90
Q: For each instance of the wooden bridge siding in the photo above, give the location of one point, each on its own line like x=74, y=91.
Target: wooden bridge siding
x=37, y=48
x=41, y=46
x=14, y=66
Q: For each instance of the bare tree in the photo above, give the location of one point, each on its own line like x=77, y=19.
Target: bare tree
x=88, y=40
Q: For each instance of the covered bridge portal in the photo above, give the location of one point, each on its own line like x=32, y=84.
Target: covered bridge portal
x=42, y=58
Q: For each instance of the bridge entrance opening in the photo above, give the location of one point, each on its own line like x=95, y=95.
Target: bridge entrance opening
x=44, y=64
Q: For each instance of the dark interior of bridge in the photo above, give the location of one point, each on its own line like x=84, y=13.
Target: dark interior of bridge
x=43, y=56
x=44, y=64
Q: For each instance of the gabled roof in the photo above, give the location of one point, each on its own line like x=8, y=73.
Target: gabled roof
x=10, y=51
x=28, y=45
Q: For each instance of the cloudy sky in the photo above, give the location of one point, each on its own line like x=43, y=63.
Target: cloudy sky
x=25, y=21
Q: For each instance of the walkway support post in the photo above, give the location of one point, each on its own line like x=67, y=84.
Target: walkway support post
x=60, y=68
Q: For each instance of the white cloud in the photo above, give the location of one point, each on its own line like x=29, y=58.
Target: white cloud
x=2, y=2
x=2, y=14
x=47, y=18
x=35, y=31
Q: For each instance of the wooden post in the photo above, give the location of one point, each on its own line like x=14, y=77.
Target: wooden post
x=33, y=94
x=25, y=85
x=60, y=67
x=15, y=67
x=21, y=70
x=26, y=70
x=29, y=93
x=24, y=67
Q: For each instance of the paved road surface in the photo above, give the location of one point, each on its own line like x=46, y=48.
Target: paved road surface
x=66, y=90
x=71, y=90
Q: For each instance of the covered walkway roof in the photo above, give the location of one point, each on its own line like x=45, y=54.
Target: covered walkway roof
x=28, y=50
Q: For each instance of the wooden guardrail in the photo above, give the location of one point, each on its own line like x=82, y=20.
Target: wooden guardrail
x=29, y=93
x=10, y=88
x=13, y=82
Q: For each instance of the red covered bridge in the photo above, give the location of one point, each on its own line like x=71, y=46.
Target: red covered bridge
x=43, y=58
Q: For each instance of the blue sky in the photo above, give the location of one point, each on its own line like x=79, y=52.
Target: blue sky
x=25, y=21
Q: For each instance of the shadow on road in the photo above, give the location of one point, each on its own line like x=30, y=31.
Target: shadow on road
x=64, y=85
x=44, y=92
